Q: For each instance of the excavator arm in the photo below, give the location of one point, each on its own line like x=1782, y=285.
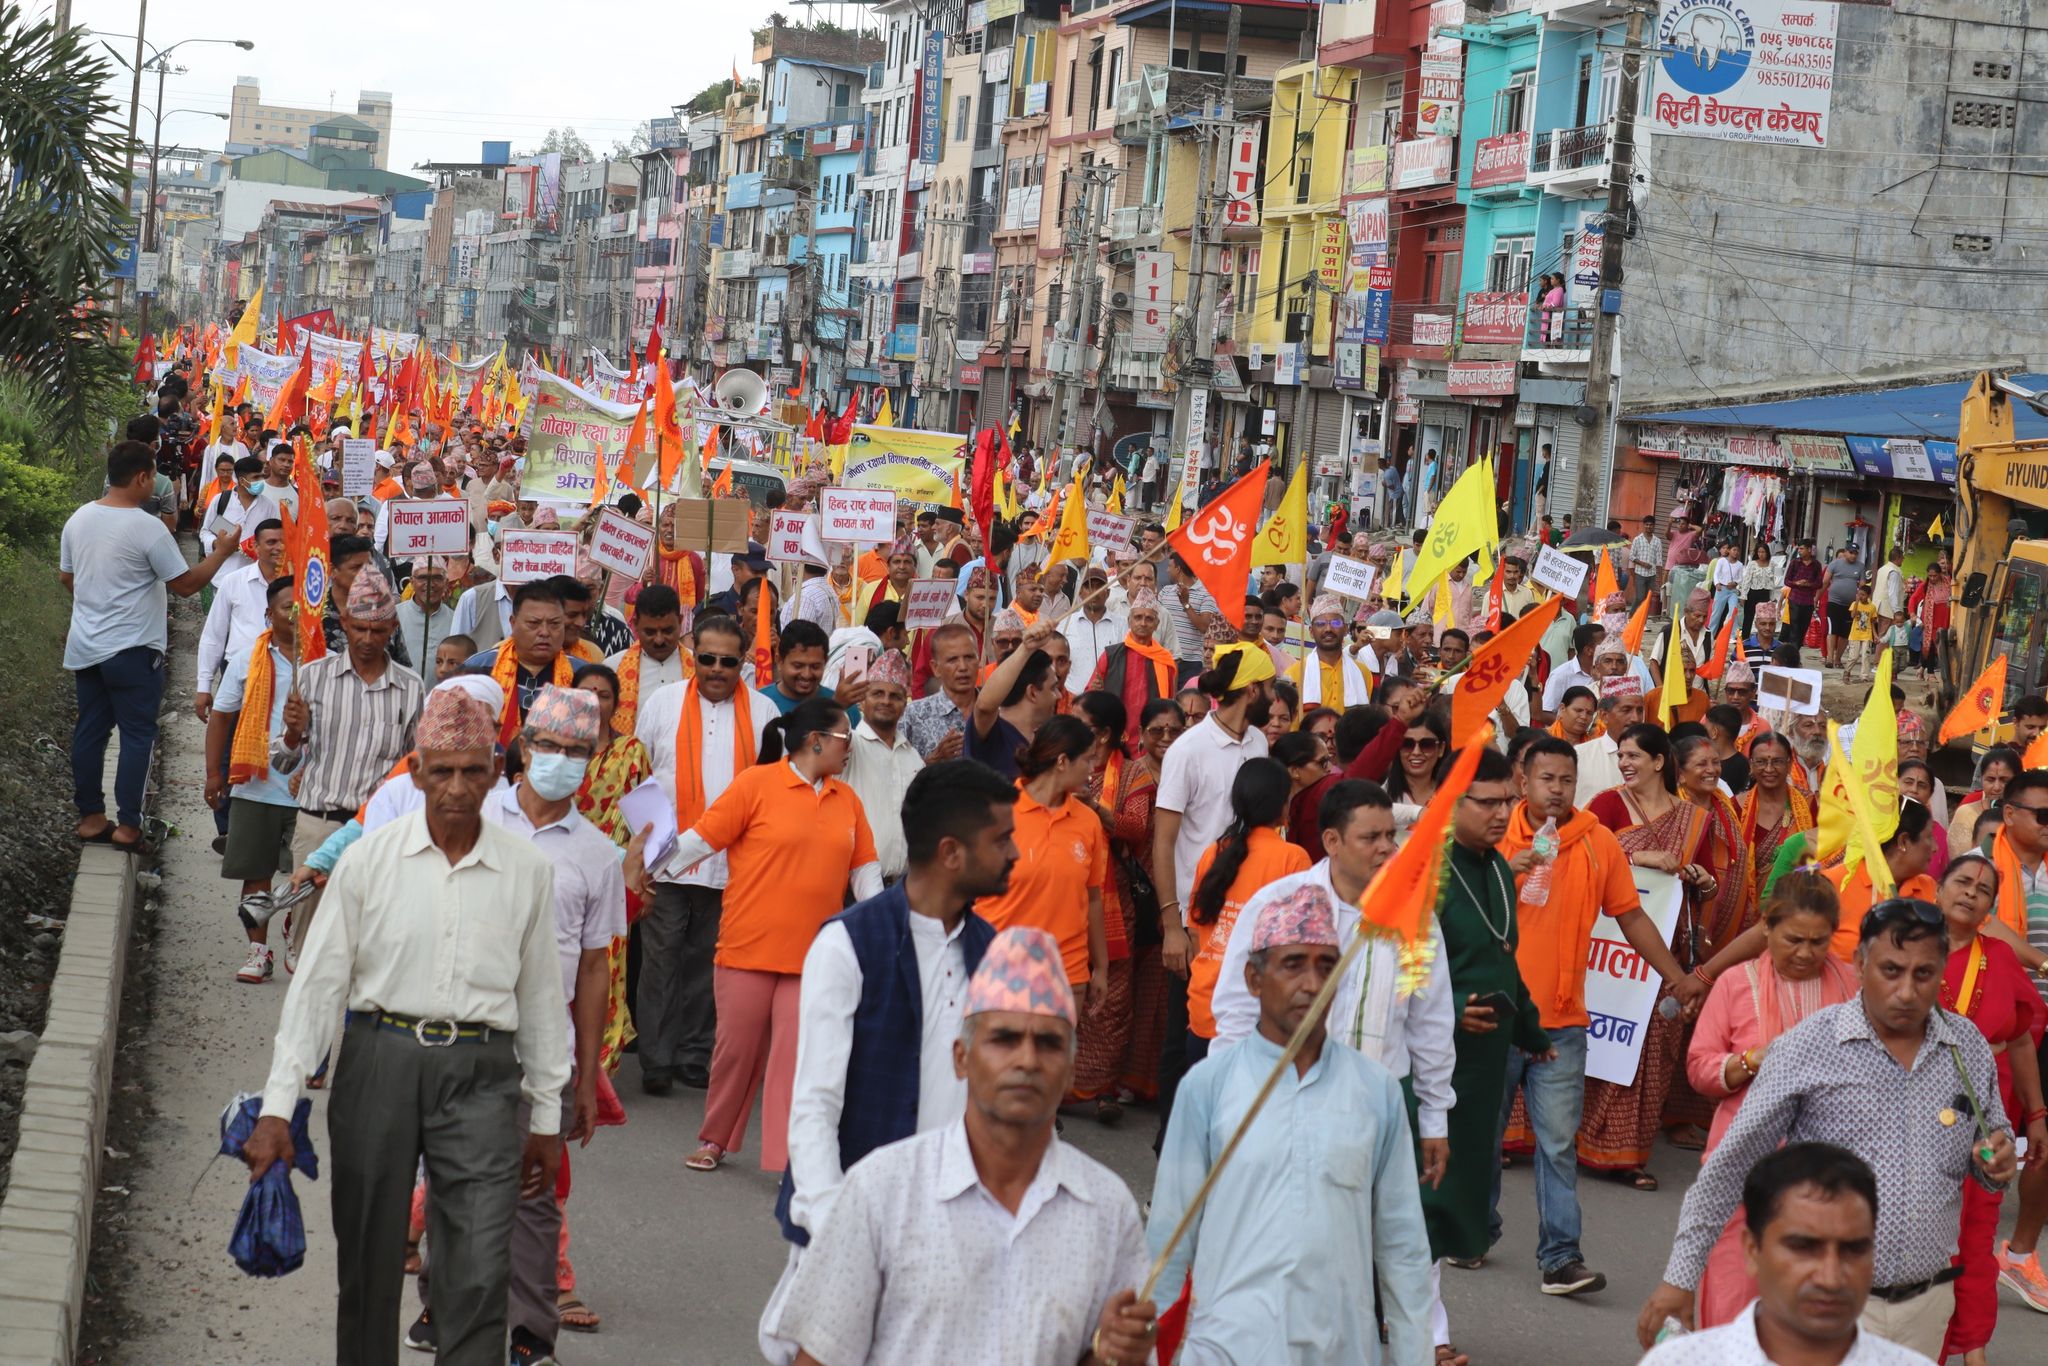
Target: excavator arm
x=1996, y=476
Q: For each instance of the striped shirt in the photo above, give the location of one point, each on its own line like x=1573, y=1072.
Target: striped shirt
x=1187, y=641
x=357, y=732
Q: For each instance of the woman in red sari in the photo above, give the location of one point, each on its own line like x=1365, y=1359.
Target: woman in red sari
x=1773, y=809
x=1659, y=830
x=1984, y=981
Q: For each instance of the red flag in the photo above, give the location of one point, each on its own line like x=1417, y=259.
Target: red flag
x=1216, y=542
x=982, y=492
x=145, y=360
x=1493, y=667
x=842, y=426
x=636, y=445
x=1718, y=664
x=803, y=375
x=661, y=306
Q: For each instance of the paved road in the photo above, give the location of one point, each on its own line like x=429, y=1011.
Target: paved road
x=677, y=1262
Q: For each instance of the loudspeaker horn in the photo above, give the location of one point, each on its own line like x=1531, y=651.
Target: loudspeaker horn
x=742, y=393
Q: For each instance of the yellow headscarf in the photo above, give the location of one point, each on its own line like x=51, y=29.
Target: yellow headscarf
x=1249, y=663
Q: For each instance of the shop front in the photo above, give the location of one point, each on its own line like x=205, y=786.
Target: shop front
x=1915, y=480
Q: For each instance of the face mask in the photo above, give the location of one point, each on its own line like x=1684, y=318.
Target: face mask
x=555, y=776
x=249, y=486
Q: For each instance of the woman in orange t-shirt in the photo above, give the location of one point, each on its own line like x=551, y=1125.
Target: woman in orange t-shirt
x=1062, y=855
x=794, y=837
x=1251, y=855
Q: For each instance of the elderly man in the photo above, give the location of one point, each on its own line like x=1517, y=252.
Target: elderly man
x=1622, y=704
x=439, y=938
x=1335, y=680
x=993, y=1199
x=882, y=763
x=1763, y=631
x=343, y=517
x=1911, y=1089
x=901, y=567
x=425, y=619
x=1091, y=629
x=1320, y=1196
x=1137, y=669
x=422, y=484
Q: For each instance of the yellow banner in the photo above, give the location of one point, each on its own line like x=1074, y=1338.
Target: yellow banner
x=918, y=466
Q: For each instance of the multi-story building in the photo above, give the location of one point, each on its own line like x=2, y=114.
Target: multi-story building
x=252, y=124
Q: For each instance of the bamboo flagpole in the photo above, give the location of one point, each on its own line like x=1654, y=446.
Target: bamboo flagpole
x=1405, y=884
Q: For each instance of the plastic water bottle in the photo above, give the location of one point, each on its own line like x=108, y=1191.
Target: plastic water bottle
x=1536, y=891
x=1672, y=1328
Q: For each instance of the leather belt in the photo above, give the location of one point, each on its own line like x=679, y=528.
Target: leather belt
x=1899, y=1294
x=438, y=1033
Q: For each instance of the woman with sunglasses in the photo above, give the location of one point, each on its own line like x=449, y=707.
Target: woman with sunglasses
x=1414, y=778
x=1745, y=1013
x=795, y=838
x=1984, y=980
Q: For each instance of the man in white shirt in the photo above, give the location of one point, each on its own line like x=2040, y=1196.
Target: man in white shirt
x=654, y=659
x=1576, y=672
x=1092, y=628
x=867, y=1008
x=881, y=763
x=1889, y=592
x=1645, y=561
x=238, y=614
x=242, y=507
x=438, y=935
x=679, y=931
x=1622, y=703
x=277, y=476
x=484, y=613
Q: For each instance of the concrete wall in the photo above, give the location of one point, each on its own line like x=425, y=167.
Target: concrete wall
x=1766, y=268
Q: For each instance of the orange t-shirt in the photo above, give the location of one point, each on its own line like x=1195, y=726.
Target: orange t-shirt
x=791, y=849
x=1856, y=893
x=1268, y=858
x=1062, y=855
x=1591, y=876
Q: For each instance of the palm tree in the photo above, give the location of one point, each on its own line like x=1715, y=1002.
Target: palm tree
x=63, y=209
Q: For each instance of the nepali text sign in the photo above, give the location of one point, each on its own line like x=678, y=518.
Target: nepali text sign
x=918, y=465
x=1366, y=171
x=1621, y=987
x=786, y=536
x=1151, y=301
x=1483, y=377
x=857, y=516
x=1561, y=573
x=1741, y=74
x=1496, y=319
x=1431, y=329
x=526, y=555
x=931, y=114
x=929, y=603
x=1422, y=162
x=1109, y=530
x=358, y=466
x=1330, y=253
x=1241, y=179
x=566, y=428
x=428, y=526
x=1349, y=578
x=1502, y=160
x=621, y=544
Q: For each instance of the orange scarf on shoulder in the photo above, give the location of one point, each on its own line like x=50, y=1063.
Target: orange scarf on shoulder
x=628, y=709
x=690, y=801
x=505, y=673
x=2012, y=886
x=249, y=757
x=1553, y=961
x=586, y=652
x=1161, y=658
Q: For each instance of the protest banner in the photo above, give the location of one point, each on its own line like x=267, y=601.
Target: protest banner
x=929, y=603
x=566, y=426
x=1621, y=987
x=859, y=516
x=786, y=536
x=387, y=345
x=621, y=544
x=265, y=372
x=1349, y=578
x=526, y=555
x=358, y=466
x=917, y=465
x=1559, y=572
x=1110, y=531
x=428, y=526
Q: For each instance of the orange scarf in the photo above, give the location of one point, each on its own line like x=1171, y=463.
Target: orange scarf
x=1798, y=815
x=1162, y=661
x=690, y=801
x=628, y=709
x=1552, y=954
x=505, y=673
x=388, y=490
x=249, y=757
x=2012, y=886
x=586, y=652
x=216, y=489
x=1599, y=729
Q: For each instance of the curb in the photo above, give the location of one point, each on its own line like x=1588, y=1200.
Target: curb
x=46, y=1218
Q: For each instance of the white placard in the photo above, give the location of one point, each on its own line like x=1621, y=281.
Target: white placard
x=786, y=536
x=1621, y=988
x=929, y=603
x=857, y=516
x=525, y=555
x=1793, y=690
x=1558, y=572
x=621, y=544
x=358, y=466
x=428, y=526
x=1109, y=530
x=1349, y=578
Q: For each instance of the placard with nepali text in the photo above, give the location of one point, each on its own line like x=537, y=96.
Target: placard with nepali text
x=1621, y=987
x=527, y=555
x=621, y=544
x=428, y=526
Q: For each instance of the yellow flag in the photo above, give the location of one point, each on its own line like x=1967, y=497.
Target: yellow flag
x=885, y=415
x=1072, y=541
x=1935, y=531
x=1674, y=692
x=1284, y=537
x=245, y=330
x=1442, y=615
x=1116, y=497
x=1391, y=589
x=1464, y=525
x=1869, y=779
x=1173, y=510
x=1483, y=571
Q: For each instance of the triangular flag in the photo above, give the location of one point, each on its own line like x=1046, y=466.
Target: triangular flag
x=1217, y=542
x=1496, y=602
x=1464, y=524
x=1872, y=774
x=2037, y=752
x=1392, y=589
x=1173, y=509
x=1979, y=707
x=1072, y=541
x=1604, y=583
x=1935, y=531
x=1401, y=898
x=1717, y=663
x=245, y=328
x=1869, y=835
x=1284, y=537
x=1493, y=666
x=1632, y=634
x=1675, y=691
x=885, y=415
x=601, y=485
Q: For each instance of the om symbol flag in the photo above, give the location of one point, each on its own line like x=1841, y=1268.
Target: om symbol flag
x=1216, y=542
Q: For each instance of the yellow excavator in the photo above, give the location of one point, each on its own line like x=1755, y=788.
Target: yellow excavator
x=2001, y=564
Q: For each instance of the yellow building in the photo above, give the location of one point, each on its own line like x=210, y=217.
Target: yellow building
x=1306, y=139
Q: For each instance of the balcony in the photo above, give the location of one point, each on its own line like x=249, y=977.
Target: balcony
x=1562, y=338
x=1579, y=13
x=789, y=173
x=1141, y=108
x=1570, y=161
x=1364, y=34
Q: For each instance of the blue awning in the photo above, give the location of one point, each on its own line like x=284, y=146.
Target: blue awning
x=1922, y=412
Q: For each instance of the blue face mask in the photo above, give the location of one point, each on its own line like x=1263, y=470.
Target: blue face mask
x=249, y=486
x=555, y=776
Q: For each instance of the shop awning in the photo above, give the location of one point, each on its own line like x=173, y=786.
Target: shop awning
x=1929, y=462
x=1922, y=412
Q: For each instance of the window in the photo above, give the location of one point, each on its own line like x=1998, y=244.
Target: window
x=963, y=107
x=1514, y=104
x=1507, y=269
x=1116, y=72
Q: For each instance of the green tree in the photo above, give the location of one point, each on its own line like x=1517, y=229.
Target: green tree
x=62, y=212
x=569, y=143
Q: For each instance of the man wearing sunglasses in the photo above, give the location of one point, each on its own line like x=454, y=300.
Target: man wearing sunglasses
x=1910, y=1089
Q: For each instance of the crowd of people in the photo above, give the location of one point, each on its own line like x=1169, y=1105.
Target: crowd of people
x=927, y=897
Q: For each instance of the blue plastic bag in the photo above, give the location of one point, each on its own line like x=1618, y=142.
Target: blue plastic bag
x=270, y=1233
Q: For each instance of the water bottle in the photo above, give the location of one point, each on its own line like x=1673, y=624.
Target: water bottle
x=1672, y=1328
x=1536, y=891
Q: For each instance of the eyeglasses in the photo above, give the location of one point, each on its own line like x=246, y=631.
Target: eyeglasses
x=706, y=660
x=1897, y=909
x=542, y=745
x=1422, y=745
x=1162, y=730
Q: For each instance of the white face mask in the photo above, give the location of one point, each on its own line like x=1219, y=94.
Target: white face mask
x=555, y=776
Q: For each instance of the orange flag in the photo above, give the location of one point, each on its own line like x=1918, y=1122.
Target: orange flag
x=1632, y=634
x=764, y=636
x=1402, y=896
x=721, y=487
x=1978, y=707
x=2037, y=753
x=1604, y=583
x=668, y=436
x=1493, y=669
x=601, y=485
x=636, y=444
x=1718, y=663
x=1217, y=541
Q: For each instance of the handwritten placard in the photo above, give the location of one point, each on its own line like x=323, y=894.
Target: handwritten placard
x=858, y=516
x=528, y=555
x=1109, y=530
x=428, y=526
x=621, y=544
x=786, y=536
x=928, y=604
x=358, y=466
x=1559, y=572
x=1349, y=578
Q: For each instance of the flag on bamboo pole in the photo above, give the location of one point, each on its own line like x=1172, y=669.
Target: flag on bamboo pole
x=1674, y=692
x=885, y=412
x=1605, y=584
x=1872, y=775
x=1978, y=707
x=1072, y=541
x=1284, y=537
x=1216, y=543
x=245, y=328
x=1464, y=524
x=1632, y=634
x=601, y=485
x=1717, y=662
x=1492, y=668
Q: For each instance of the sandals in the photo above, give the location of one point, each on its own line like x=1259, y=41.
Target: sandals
x=1638, y=1178
x=705, y=1159
x=575, y=1315
x=1108, y=1113
x=1690, y=1137
x=1466, y=1263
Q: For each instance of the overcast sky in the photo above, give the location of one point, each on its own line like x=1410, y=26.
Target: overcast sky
x=458, y=74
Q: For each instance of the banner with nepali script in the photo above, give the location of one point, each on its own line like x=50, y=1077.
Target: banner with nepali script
x=343, y=358
x=265, y=371
x=916, y=465
x=386, y=345
x=566, y=426
x=1621, y=986
x=1742, y=73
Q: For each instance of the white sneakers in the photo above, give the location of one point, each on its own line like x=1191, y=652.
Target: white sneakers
x=257, y=969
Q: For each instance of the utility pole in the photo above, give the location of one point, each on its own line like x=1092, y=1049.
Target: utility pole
x=1084, y=251
x=1211, y=189
x=935, y=367
x=1597, y=416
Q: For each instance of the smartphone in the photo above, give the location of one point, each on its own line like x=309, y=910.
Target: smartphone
x=1499, y=1002
x=855, y=666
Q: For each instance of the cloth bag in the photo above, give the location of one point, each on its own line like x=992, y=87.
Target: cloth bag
x=270, y=1232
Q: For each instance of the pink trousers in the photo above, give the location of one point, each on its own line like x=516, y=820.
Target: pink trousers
x=755, y=1049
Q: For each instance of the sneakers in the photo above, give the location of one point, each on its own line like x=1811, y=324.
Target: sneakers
x=2023, y=1277
x=528, y=1350
x=1573, y=1278
x=257, y=969
x=255, y=909
x=421, y=1337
